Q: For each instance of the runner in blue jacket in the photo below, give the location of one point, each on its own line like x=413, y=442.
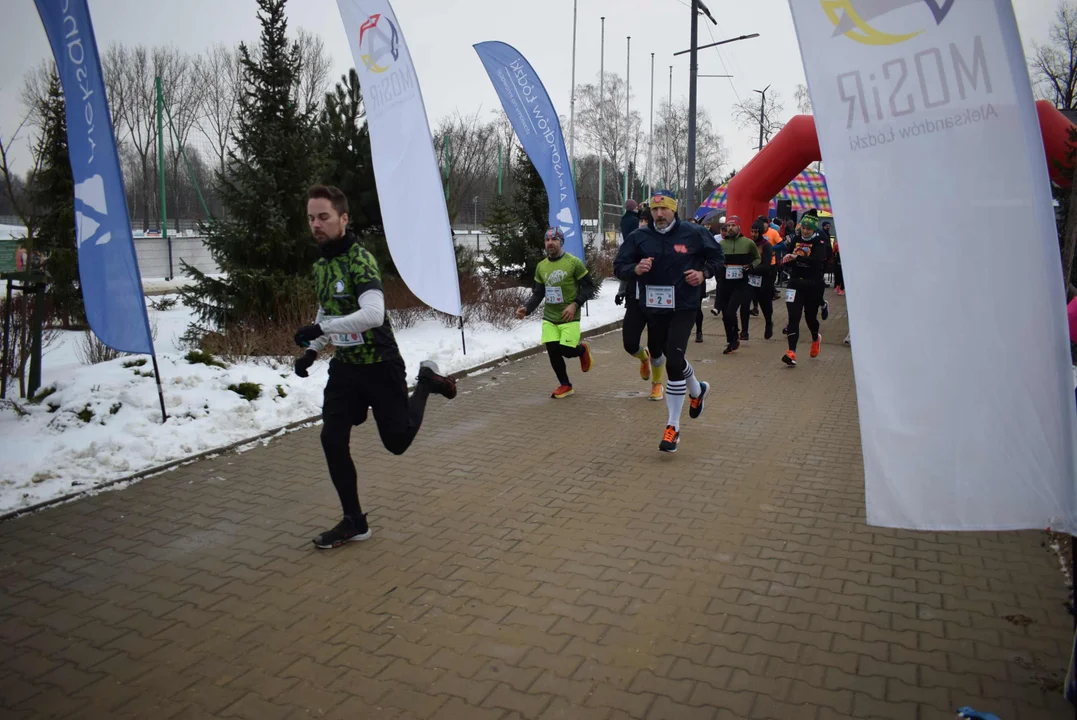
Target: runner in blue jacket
x=671, y=261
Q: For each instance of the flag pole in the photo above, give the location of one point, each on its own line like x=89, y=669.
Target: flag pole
x=628, y=116
x=160, y=387
x=572, y=101
x=601, y=119
x=650, y=141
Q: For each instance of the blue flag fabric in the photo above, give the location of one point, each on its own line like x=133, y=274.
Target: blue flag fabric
x=108, y=267
x=535, y=121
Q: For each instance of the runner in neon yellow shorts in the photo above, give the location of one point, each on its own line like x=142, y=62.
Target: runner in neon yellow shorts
x=562, y=281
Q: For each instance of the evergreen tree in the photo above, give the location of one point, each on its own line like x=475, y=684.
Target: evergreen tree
x=532, y=211
x=264, y=245
x=52, y=195
x=506, y=254
x=345, y=141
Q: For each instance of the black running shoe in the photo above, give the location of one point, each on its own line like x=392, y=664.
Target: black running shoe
x=744, y=335
x=440, y=384
x=346, y=531
x=699, y=337
x=826, y=309
x=695, y=404
x=769, y=333
x=669, y=440
x=754, y=312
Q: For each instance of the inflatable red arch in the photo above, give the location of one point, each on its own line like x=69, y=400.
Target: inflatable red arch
x=796, y=147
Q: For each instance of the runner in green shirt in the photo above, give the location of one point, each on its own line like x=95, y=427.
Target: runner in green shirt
x=563, y=282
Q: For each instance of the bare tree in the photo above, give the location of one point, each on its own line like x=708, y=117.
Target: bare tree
x=219, y=75
x=315, y=64
x=35, y=88
x=803, y=100
x=671, y=148
x=472, y=156
x=137, y=105
x=603, y=128
x=1054, y=65
x=750, y=114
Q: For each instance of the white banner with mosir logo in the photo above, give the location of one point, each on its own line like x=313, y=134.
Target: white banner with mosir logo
x=937, y=176
x=410, y=192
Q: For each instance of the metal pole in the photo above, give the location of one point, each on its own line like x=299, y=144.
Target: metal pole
x=160, y=388
x=762, y=112
x=669, y=135
x=7, y=338
x=628, y=116
x=33, y=381
x=650, y=140
x=463, y=340
x=602, y=126
x=572, y=100
x=693, y=69
x=447, y=168
x=499, y=168
x=161, y=171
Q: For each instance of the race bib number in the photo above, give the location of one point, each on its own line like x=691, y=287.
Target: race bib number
x=345, y=339
x=554, y=294
x=734, y=273
x=755, y=280
x=660, y=296
x=790, y=295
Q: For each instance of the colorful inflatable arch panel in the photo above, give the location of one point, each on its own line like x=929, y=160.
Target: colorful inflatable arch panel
x=796, y=146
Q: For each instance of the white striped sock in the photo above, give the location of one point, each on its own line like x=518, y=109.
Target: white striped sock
x=693, y=384
x=675, y=390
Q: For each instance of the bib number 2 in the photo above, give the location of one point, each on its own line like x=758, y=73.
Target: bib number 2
x=790, y=295
x=660, y=296
x=554, y=294
x=755, y=280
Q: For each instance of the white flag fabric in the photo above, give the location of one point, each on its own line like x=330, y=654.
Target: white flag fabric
x=937, y=176
x=405, y=166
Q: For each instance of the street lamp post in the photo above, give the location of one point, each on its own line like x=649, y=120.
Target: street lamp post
x=762, y=112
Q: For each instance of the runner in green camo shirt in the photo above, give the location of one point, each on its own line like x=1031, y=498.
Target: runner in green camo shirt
x=366, y=372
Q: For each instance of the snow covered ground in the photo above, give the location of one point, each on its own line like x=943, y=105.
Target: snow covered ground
x=103, y=421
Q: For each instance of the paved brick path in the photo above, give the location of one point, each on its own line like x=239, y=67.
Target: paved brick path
x=536, y=559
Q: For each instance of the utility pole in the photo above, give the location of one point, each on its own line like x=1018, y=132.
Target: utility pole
x=628, y=115
x=690, y=205
x=650, y=140
x=602, y=126
x=762, y=113
x=694, y=48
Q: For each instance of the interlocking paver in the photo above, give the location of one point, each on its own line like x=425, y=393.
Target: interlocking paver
x=536, y=558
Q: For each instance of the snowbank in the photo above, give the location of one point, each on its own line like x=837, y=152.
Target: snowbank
x=103, y=422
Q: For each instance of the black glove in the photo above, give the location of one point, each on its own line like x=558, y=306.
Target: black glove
x=304, y=361
x=618, y=299
x=306, y=334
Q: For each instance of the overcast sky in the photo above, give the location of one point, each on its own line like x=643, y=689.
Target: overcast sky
x=440, y=34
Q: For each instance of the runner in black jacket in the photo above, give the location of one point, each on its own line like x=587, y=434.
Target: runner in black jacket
x=763, y=282
x=805, y=293
x=671, y=261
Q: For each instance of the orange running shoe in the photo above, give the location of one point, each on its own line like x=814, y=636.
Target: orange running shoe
x=790, y=358
x=585, y=359
x=656, y=391
x=645, y=365
x=562, y=392
x=815, y=345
